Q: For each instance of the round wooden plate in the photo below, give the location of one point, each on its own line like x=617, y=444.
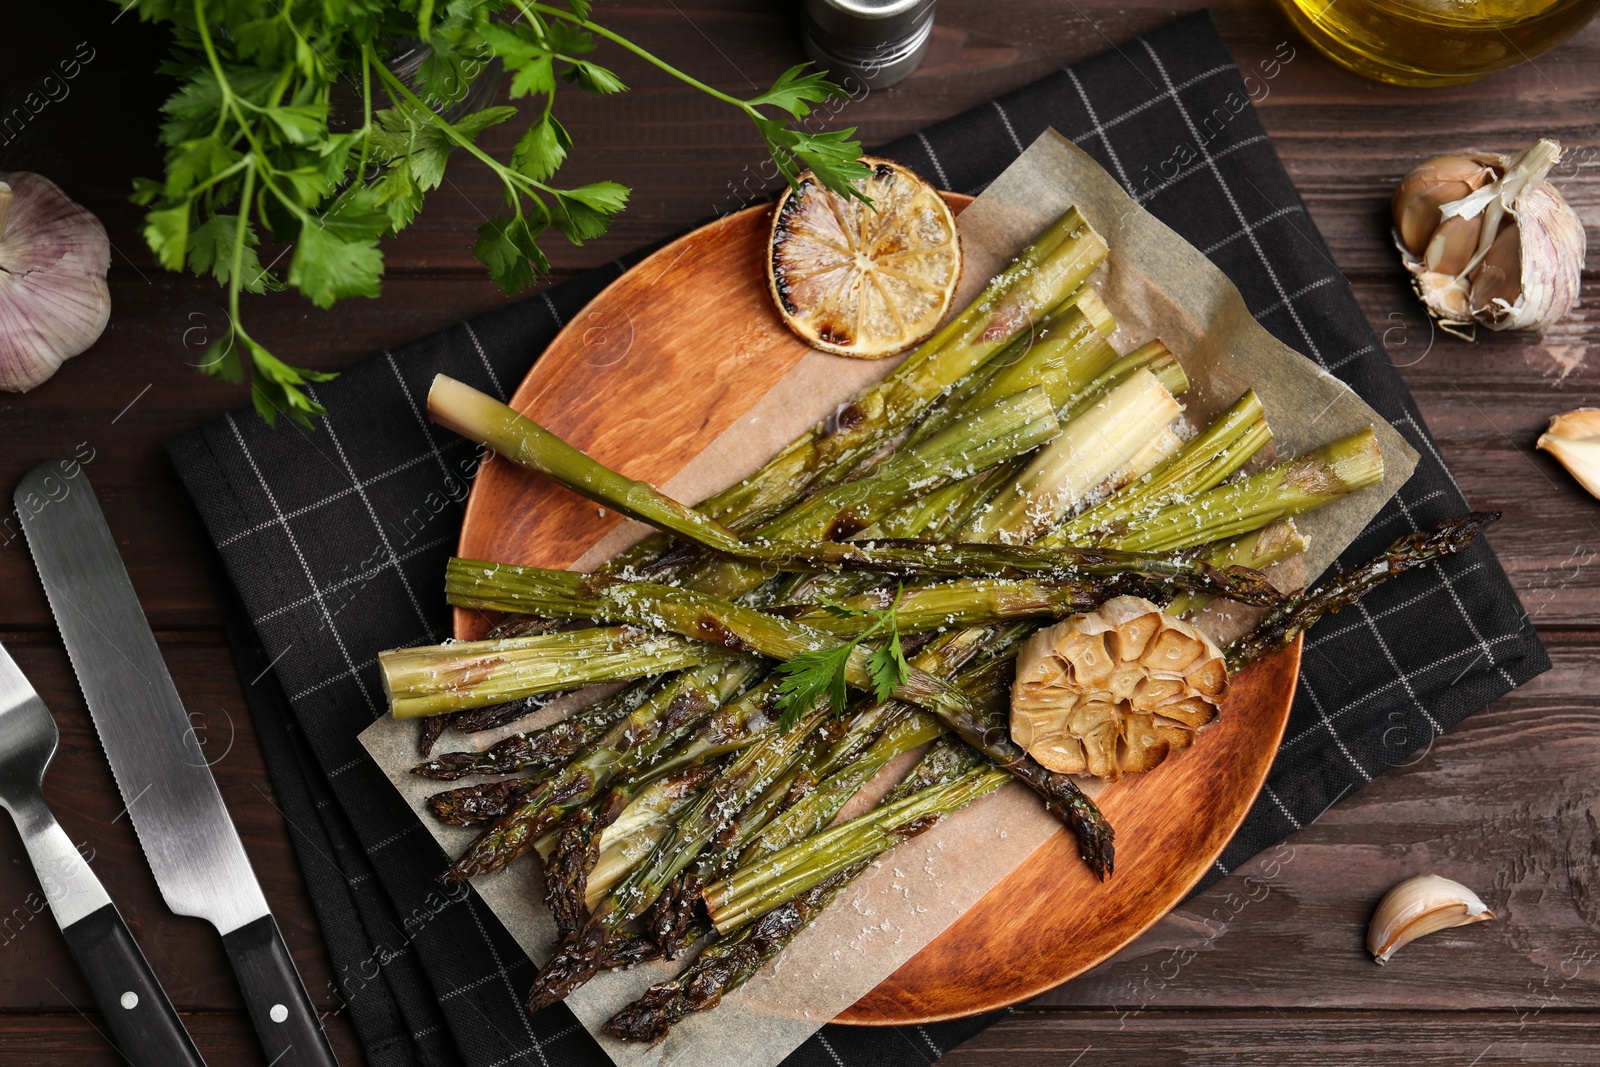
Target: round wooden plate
x=659, y=364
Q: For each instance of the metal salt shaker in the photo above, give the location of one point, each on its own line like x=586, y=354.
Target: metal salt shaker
x=867, y=43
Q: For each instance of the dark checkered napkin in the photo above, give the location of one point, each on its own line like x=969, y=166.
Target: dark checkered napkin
x=334, y=543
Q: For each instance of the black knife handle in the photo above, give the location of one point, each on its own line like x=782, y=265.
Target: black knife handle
x=144, y=1028
x=285, y=1021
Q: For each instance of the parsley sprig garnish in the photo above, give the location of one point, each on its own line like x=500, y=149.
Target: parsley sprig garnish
x=290, y=125
x=822, y=673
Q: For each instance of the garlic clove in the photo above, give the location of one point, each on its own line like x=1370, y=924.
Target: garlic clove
x=1453, y=244
x=1497, y=283
x=1430, y=185
x=1573, y=437
x=54, y=302
x=1420, y=906
x=1418, y=216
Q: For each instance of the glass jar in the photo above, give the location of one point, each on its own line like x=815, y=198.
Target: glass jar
x=1436, y=42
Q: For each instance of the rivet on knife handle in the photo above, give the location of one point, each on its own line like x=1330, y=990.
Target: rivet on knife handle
x=144, y=1027
x=283, y=1016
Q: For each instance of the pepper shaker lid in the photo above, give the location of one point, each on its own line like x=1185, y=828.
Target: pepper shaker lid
x=877, y=42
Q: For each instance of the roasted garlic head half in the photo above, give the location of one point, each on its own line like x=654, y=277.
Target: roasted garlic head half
x=1114, y=691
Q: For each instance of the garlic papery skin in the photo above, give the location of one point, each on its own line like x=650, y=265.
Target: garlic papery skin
x=53, y=297
x=1507, y=255
x=1573, y=437
x=1420, y=906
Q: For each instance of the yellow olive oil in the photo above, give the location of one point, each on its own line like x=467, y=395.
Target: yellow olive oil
x=1436, y=42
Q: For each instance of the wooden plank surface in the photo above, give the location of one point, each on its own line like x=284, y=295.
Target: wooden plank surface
x=1266, y=967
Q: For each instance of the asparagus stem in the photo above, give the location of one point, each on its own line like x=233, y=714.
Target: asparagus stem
x=1258, y=551
x=580, y=955
x=569, y=594
x=750, y=893
x=1087, y=452
x=830, y=745
x=541, y=749
x=670, y=921
x=954, y=506
x=631, y=742
x=968, y=602
x=736, y=627
x=1063, y=354
x=1065, y=357
x=642, y=824
x=750, y=773
x=1236, y=508
x=1090, y=305
x=548, y=453
x=1011, y=426
x=730, y=961
x=988, y=684
x=435, y=679
x=1283, y=624
x=1206, y=460
x=484, y=419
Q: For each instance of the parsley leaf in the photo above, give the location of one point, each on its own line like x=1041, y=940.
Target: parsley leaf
x=795, y=91
x=593, y=78
x=508, y=248
x=211, y=251
x=299, y=124
x=585, y=212
x=327, y=268
x=811, y=676
x=541, y=149
x=166, y=231
x=887, y=666
x=832, y=157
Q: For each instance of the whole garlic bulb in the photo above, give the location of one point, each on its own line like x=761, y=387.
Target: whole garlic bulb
x=53, y=297
x=1489, y=241
x=1115, y=691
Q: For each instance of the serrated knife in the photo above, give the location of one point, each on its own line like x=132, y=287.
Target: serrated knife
x=160, y=769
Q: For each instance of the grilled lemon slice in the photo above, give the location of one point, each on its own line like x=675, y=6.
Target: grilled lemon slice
x=860, y=281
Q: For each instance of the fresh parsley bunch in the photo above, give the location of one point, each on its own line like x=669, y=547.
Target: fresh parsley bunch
x=254, y=149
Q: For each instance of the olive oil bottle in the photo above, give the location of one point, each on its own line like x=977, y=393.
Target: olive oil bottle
x=1436, y=42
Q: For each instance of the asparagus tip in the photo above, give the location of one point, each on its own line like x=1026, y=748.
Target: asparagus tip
x=577, y=960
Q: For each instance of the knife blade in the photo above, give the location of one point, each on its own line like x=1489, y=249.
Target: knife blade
x=171, y=797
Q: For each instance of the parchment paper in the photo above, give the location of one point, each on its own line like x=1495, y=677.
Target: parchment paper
x=1158, y=286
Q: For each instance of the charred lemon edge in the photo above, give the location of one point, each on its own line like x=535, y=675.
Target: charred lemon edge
x=787, y=312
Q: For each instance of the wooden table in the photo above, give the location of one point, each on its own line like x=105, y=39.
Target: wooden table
x=1267, y=966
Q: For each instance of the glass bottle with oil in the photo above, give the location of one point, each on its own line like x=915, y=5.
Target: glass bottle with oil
x=1436, y=42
